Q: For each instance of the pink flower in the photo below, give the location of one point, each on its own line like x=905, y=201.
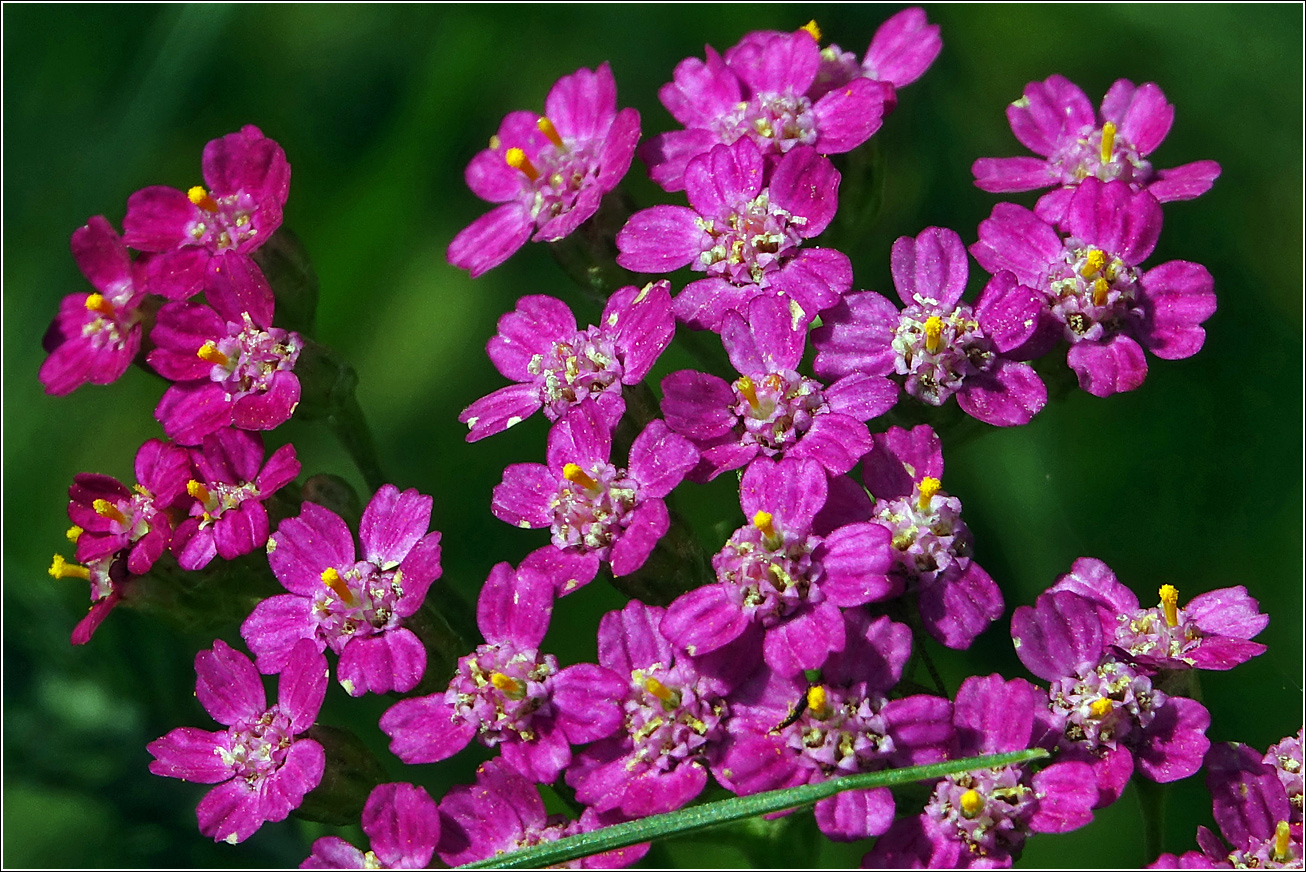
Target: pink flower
x=403, y=823
x=548, y=171
x=355, y=607
x=248, y=180
x=559, y=367
x=262, y=763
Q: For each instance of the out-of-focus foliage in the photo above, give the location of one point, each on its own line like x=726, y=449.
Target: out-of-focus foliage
x=1195, y=479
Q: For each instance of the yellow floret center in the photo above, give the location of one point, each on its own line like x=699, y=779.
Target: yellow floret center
x=209, y=352
x=1170, y=604
x=331, y=578
x=106, y=509
x=61, y=568
x=574, y=474
x=511, y=687
x=762, y=521
x=517, y=159
x=933, y=333
x=202, y=199
x=1100, y=708
x=817, y=701
x=745, y=386
x=1108, y=140
x=550, y=132
x=971, y=804
x=929, y=486
x=811, y=28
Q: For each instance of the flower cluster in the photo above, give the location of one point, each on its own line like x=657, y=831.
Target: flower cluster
x=788, y=652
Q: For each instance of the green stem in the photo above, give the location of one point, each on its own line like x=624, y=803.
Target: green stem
x=1151, y=801
x=350, y=427
x=711, y=814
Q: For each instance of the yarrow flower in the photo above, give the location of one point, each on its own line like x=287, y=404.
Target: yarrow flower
x=1097, y=297
x=357, y=608
x=786, y=731
x=95, y=336
x=229, y=365
x=262, y=763
x=248, y=180
x=931, y=544
x=776, y=574
x=760, y=92
x=597, y=512
x=548, y=171
x=1254, y=813
x=231, y=482
x=982, y=818
x=941, y=346
x=1102, y=710
x=403, y=824
x=675, y=710
x=507, y=693
x=1055, y=120
x=1213, y=631
x=744, y=227
x=503, y=812
x=558, y=367
x=771, y=410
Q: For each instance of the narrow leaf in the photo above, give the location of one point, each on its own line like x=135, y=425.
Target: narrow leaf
x=710, y=814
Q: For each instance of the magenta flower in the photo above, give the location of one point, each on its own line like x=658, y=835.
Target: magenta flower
x=109, y=579
x=509, y=694
x=230, y=366
x=785, y=731
x=776, y=573
x=1054, y=119
x=981, y=819
x=941, y=346
x=1286, y=758
x=744, y=227
x=1102, y=710
x=1212, y=632
x=771, y=410
x=262, y=763
x=112, y=518
x=1097, y=296
x=558, y=367
x=760, y=93
x=403, y=824
x=503, y=812
x=1253, y=812
x=675, y=716
x=548, y=171
x=931, y=544
x=95, y=336
x=597, y=512
x=356, y=608
x=248, y=181
x=227, y=517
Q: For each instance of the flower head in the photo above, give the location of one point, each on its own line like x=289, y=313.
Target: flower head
x=558, y=367
x=246, y=183
x=262, y=763
x=229, y=365
x=355, y=607
x=744, y=227
x=1054, y=120
x=548, y=171
x=403, y=823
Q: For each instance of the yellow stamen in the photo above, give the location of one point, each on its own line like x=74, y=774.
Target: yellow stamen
x=332, y=579
x=1101, y=287
x=1108, y=140
x=106, y=509
x=933, y=330
x=762, y=521
x=74, y=533
x=659, y=690
x=97, y=303
x=517, y=159
x=1100, y=708
x=971, y=804
x=495, y=143
x=511, y=687
x=574, y=474
x=929, y=486
x=209, y=351
x=1282, y=841
x=61, y=568
x=197, y=490
x=201, y=198
x=546, y=127
x=1170, y=604
x=811, y=28
x=745, y=386
x=816, y=701
x=1094, y=262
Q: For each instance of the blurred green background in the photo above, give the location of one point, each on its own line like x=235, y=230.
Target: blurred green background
x=1194, y=479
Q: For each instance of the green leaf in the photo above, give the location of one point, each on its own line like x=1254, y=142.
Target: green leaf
x=710, y=814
